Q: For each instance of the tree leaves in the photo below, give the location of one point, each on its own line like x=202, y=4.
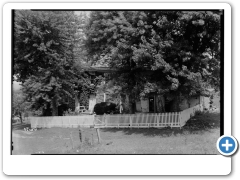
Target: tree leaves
x=44, y=55
x=168, y=44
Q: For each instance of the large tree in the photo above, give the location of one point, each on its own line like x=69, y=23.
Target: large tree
x=163, y=52
x=46, y=44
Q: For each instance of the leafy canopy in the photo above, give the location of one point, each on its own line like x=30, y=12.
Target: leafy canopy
x=157, y=51
x=45, y=47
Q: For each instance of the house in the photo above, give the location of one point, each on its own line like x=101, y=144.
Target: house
x=148, y=105
x=144, y=105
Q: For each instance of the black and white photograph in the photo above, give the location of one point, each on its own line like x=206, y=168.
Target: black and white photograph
x=117, y=81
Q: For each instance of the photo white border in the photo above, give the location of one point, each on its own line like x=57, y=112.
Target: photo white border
x=113, y=164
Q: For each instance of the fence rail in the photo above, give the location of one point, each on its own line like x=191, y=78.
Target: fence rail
x=140, y=120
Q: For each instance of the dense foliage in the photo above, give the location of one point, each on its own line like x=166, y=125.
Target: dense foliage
x=173, y=53
x=20, y=106
x=46, y=44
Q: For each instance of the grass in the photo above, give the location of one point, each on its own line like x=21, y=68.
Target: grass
x=198, y=136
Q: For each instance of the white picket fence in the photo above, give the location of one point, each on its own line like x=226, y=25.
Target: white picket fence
x=186, y=114
x=147, y=120
x=143, y=120
x=140, y=120
x=62, y=121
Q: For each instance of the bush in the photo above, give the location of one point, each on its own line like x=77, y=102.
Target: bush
x=69, y=112
x=198, y=112
x=105, y=108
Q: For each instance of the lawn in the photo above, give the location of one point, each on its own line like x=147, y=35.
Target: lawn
x=198, y=136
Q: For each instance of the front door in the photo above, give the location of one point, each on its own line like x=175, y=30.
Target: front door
x=151, y=104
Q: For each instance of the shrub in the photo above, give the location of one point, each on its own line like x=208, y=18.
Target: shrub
x=105, y=108
x=198, y=112
x=69, y=112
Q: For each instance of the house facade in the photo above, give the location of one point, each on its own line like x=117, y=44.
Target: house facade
x=149, y=104
x=144, y=105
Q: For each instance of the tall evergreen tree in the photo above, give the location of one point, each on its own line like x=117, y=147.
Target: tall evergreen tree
x=45, y=44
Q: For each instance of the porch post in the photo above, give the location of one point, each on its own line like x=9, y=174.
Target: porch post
x=104, y=97
x=76, y=102
x=104, y=94
x=155, y=104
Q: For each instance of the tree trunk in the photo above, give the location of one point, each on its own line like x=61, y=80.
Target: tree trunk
x=54, y=106
x=188, y=102
x=160, y=104
x=129, y=105
x=20, y=116
x=133, y=107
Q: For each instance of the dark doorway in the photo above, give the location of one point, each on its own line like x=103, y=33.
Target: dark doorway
x=151, y=104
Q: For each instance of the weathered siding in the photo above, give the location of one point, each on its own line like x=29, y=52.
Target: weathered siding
x=138, y=106
x=145, y=105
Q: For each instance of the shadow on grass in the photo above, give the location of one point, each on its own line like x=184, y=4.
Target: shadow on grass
x=196, y=125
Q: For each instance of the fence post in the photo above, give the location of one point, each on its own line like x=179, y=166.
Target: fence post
x=180, y=119
x=105, y=119
x=130, y=120
x=80, y=135
x=92, y=140
x=94, y=118
x=71, y=140
x=176, y=118
x=164, y=119
x=158, y=119
x=170, y=119
x=98, y=135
